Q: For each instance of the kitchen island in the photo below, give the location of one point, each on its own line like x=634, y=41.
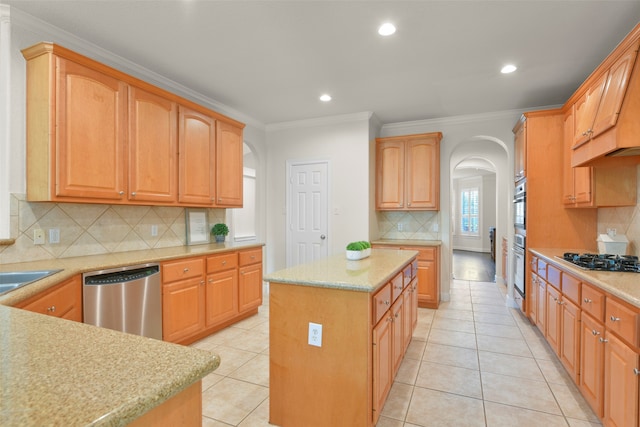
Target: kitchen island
x=338, y=330
x=60, y=372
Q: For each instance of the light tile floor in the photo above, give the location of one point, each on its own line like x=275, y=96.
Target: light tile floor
x=472, y=362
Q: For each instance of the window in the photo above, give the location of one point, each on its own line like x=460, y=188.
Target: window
x=469, y=211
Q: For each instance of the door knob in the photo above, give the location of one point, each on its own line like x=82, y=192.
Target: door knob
x=322, y=236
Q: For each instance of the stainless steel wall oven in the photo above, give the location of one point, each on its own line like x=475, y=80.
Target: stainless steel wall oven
x=519, y=263
x=519, y=206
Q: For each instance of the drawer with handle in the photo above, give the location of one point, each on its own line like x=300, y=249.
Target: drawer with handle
x=222, y=262
x=623, y=321
x=381, y=302
x=250, y=257
x=182, y=269
x=592, y=301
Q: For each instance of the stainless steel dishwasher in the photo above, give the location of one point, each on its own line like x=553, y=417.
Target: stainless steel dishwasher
x=127, y=299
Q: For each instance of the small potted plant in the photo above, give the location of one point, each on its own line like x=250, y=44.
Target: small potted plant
x=219, y=231
x=358, y=250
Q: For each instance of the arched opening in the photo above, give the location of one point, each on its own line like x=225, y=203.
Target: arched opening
x=474, y=217
x=480, y=163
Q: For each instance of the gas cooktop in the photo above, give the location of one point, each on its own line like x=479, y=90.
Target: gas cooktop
x=604, y=262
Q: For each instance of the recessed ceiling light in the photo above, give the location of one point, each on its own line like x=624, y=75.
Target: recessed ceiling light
x=325, y=98
x=386, y=29
x=508, y=69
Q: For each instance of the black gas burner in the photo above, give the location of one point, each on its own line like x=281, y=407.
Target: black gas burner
x=604, y=262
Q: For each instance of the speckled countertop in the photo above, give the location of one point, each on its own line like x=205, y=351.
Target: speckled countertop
x=365, y=275
x=407, y=242
x=76, y=265
x=65, y=373
x=60, y=372
x=625, y=286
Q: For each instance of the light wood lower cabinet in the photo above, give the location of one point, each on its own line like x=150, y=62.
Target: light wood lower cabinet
x=592, y=362
x=63, y=300
x=428, y=272
x=621, y=381
x=202, y=295
x=597, y=338
x=347, y=379
x=250, y=285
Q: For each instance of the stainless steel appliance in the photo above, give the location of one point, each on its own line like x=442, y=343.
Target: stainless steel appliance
x=604, y=262
x=519, y=263
x=519, y=206
x=127, y=299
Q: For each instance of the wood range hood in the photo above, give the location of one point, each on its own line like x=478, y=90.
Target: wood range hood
x=607, y=109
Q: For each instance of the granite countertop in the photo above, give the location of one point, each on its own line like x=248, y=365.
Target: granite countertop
x=365, y=275
x=60, y=372
x=625, y=286
x=71, y=266
x=407, y=242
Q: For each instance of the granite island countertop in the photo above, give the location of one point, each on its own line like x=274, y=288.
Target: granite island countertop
x=625, y=286
x=365, y=275
x=60, y=372
x=71, y=266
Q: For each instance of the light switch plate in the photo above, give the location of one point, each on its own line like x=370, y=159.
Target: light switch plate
x=315, y=334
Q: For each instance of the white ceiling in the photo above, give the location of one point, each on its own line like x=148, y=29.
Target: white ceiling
x=272, y=59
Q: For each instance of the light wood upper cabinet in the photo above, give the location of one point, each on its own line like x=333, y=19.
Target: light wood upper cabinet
x=197, y=133
x=153, y=147
x=229, y=174
x=408, y=172
x=97, y=135
x=520, y=150
x=597, y=110
x=596, y=186
x=585, y=111
x=91, y=126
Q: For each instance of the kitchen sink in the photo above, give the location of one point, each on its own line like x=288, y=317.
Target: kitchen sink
x=11, y=280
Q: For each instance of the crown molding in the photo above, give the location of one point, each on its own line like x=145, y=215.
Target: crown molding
x=460, y=120
x=93, y=51
x=320, y=121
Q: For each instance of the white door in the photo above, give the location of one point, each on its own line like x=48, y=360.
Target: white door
x=307, y=212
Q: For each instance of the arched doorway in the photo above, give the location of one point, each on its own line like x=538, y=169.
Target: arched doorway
x=489, y=155
x=473, y=211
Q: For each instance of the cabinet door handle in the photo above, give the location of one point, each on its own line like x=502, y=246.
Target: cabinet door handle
x=594, y=332
x=587, y=300
x=185, y=270
x=603, y=340
x=51, y=309
x=121, y=193
x=636, y=371
x=224, y=262
x=614, y=319
x=133, y=194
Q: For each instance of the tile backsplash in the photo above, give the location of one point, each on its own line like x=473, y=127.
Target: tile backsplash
x=409, y=225
x=625, y=220
x=93, y=229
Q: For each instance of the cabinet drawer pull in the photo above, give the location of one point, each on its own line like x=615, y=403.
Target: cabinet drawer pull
x=636, y=371
x=51, y=309
x=603, y=340
x=224, y=262
x=386, y=302
x=133, y=194
x=594, y=332
x=186, y=270
x=614, y=319
x=121, y=193
x=587, y=300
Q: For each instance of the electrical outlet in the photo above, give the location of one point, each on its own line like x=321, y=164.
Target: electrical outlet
x=38, y=236
x=54, y=235
x=315, y=334
x=154, y=230
x=400, y=226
